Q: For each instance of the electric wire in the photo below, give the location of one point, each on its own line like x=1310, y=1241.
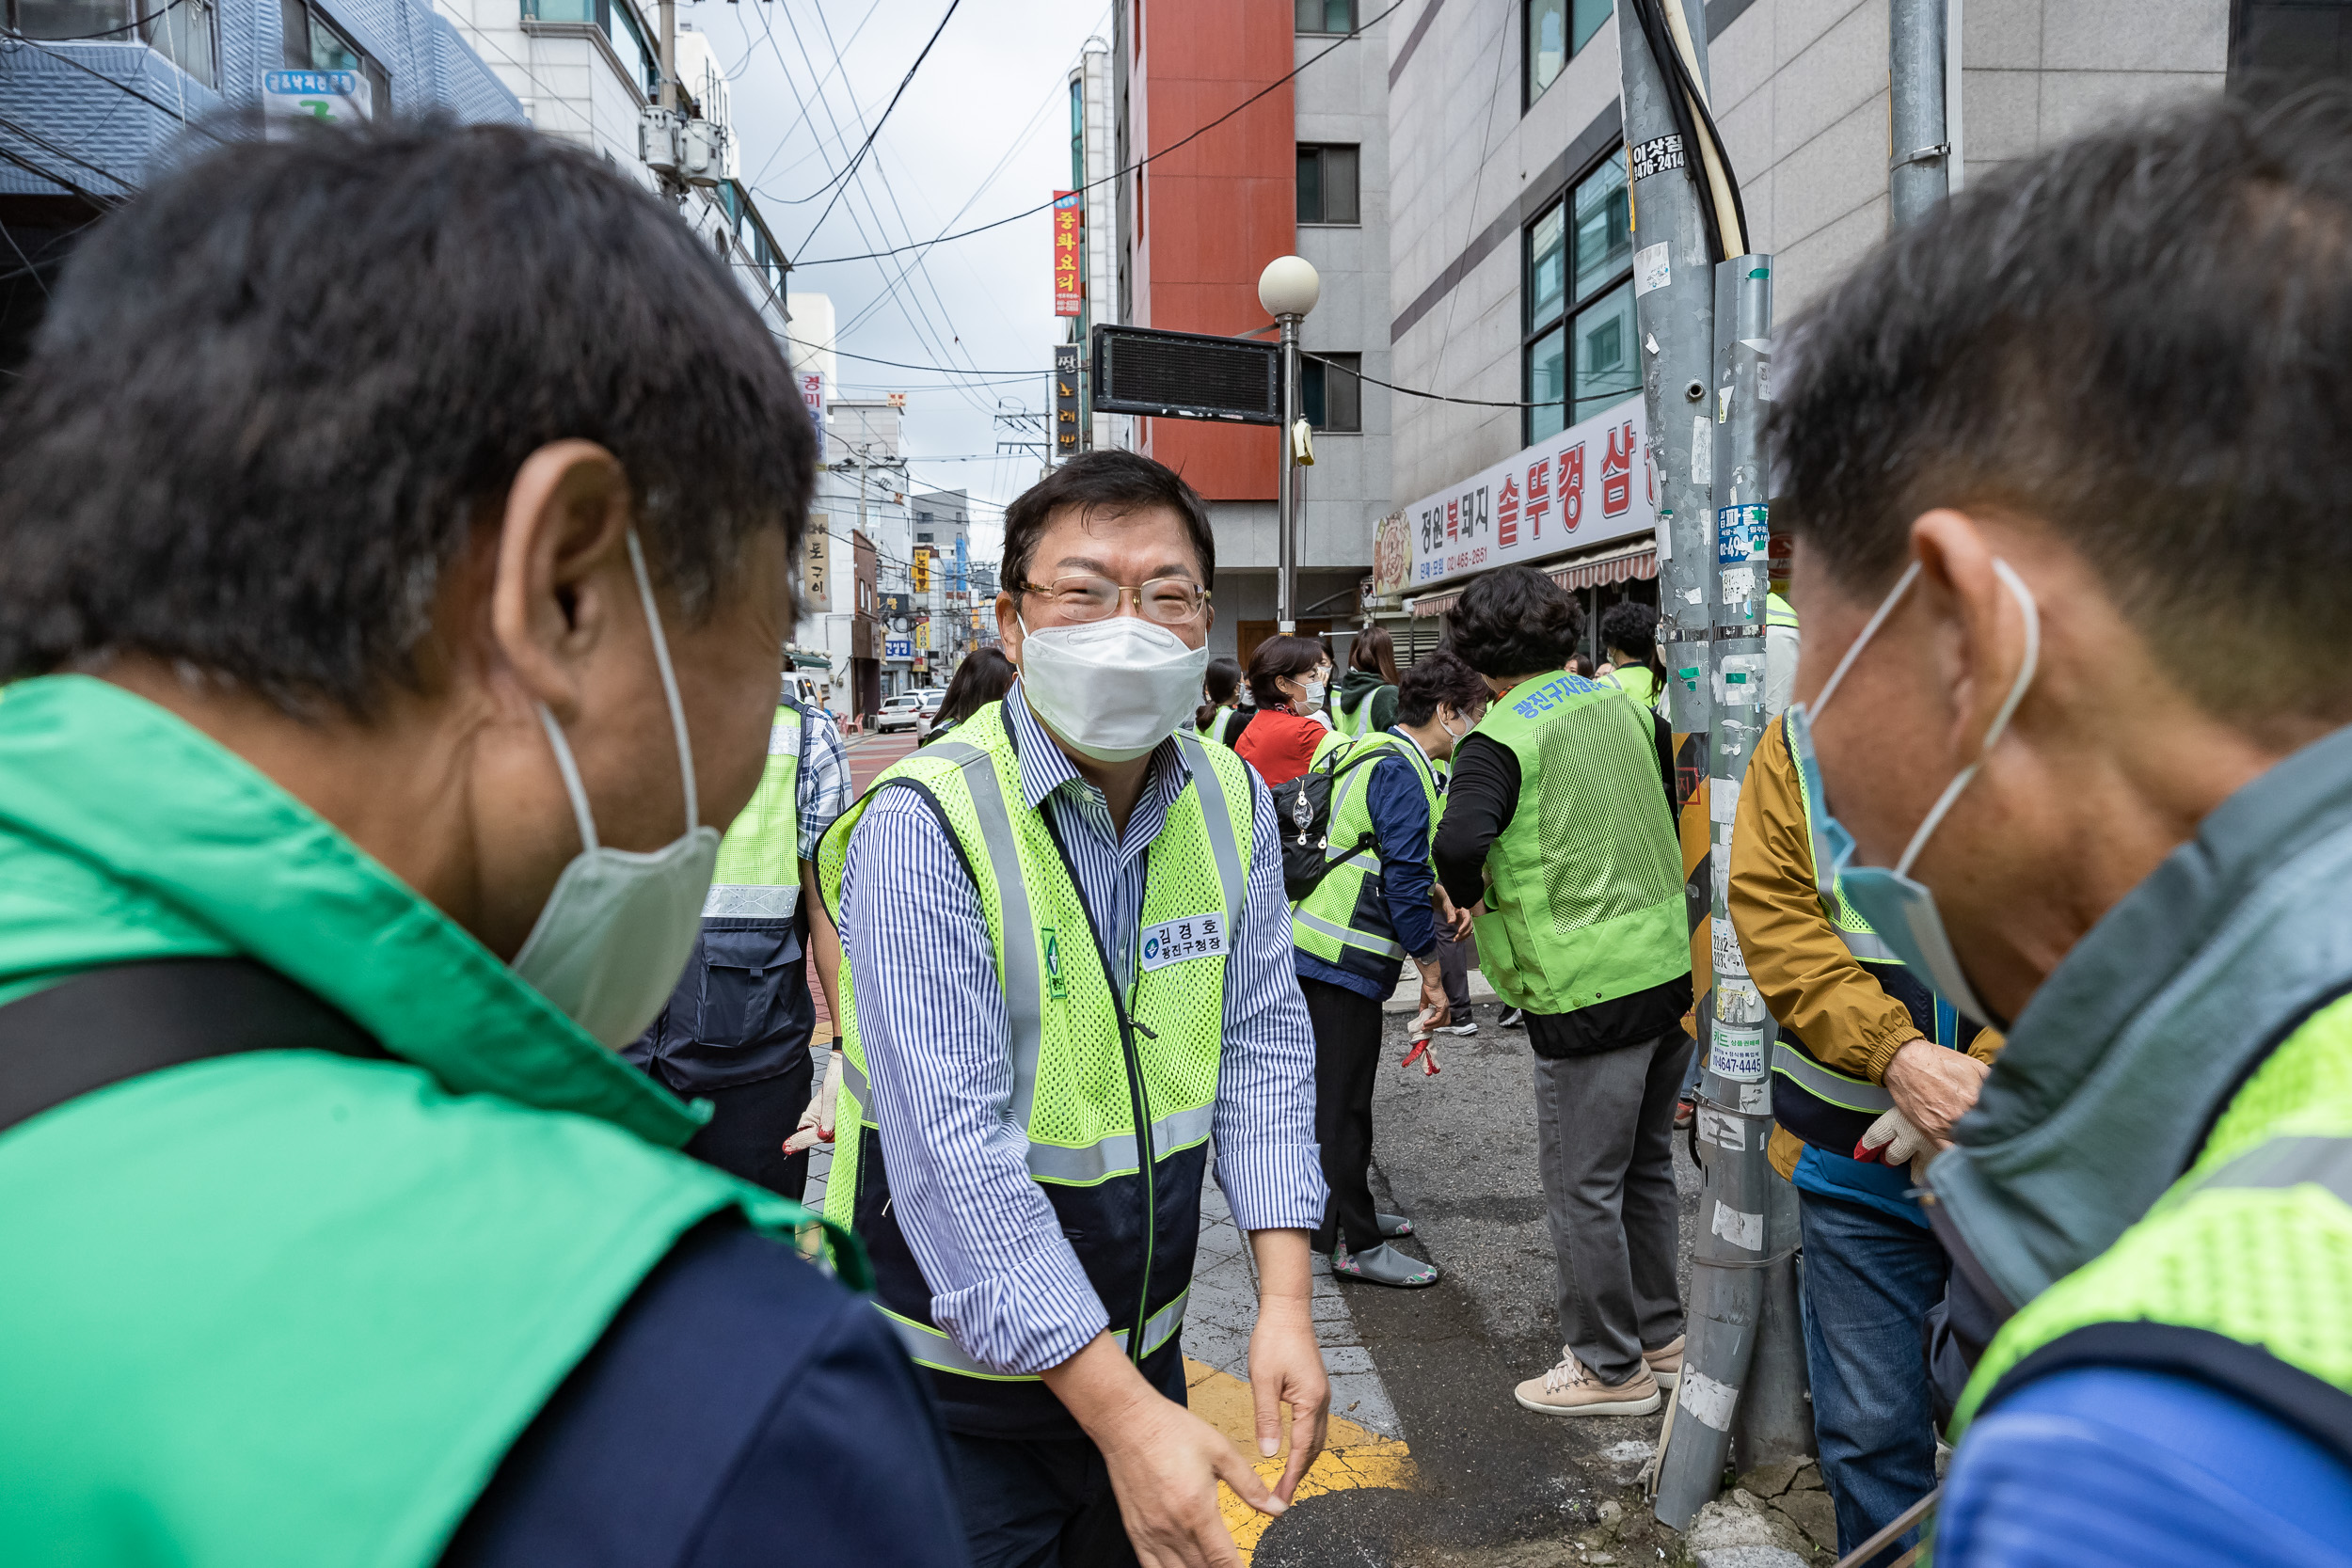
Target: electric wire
x=1120, y=173
x=904, y=82
x=132, y=26
x=180, y=113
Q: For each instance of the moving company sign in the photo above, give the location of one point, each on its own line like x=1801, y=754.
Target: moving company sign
x=1587, y=485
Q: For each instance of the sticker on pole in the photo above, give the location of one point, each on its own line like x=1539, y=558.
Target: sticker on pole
x=1706, y=1401
x=1724, y=1131
x=1652, y=269
x=1740, y=1230
x=1660, y=155
x=1742, y=535
x=1740, y=680
x=1728, y=959
x=1737, y=1053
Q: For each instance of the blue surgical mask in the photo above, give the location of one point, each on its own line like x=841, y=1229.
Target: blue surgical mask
x=1901, y=908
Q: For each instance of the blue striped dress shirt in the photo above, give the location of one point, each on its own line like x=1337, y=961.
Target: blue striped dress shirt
x=932, y=1021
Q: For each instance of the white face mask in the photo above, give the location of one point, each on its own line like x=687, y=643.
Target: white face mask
x=618, y=929
x=1463, y=734
x=1112, y=688
x=1312, y=701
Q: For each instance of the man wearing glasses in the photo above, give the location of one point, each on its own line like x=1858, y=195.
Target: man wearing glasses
x=1069, y=969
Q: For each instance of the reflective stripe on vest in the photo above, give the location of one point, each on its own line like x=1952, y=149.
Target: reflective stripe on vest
x=1826, y=1082
x=2254, y=1245
x=1348, y=934
x=930, y=1347
x=758, y=874
x=1329, y=912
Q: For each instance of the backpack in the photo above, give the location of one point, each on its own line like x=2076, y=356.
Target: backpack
x=1302, y=817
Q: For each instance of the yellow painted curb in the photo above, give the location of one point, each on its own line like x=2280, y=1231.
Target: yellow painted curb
x=1352, y=1458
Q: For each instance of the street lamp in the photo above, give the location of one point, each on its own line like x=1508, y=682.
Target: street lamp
x=1288, y=289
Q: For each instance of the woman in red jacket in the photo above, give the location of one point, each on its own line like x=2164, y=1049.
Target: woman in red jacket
x=1278, y=736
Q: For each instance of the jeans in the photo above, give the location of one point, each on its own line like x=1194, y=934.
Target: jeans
x=1869, y=1280
x=1604, y=1139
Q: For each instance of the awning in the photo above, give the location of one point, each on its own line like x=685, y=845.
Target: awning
x=1631, y=563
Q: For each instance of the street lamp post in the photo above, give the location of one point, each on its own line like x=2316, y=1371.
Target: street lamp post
x=1288, y=289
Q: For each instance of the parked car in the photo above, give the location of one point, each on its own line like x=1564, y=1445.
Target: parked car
x=904, y=712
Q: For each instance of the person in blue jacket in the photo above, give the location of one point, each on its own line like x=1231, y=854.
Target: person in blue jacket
x=2066, y=464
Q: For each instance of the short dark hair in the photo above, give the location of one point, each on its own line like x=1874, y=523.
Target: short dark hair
x=278, y=390
x=983, y=677
x=1115, y=483
x=1514, y=621
x=1439, y=677
x=1278, y=656
x=1631, y=625
x=2142, y=339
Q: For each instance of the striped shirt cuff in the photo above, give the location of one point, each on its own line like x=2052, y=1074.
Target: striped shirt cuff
x=1273, y=1187
x=1032, y=1312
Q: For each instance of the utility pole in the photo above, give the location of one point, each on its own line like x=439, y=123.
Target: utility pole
x=1288, y=289
x=1917, y=176
x=669, y=55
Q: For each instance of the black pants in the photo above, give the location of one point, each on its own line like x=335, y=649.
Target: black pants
x=1348, y=1064
x=1037, y=1503
x=745, y=1135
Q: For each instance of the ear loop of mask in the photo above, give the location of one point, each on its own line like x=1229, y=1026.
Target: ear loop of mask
x=2024, y=596
x=578, y=791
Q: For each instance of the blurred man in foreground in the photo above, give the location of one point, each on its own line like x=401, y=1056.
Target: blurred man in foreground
x=2066, y=461
x=395, y=543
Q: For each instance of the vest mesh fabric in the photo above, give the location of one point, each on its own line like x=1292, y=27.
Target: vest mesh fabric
x=2254, y=1243
x=1347, y=897
x=758, y=870
x=1584, y=885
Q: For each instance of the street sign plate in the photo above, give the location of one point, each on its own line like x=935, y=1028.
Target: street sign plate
x=1186, y=375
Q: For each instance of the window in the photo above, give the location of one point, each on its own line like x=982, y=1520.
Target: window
x=1556, y=30
x=1327, y=185
x=1579, y=352
x=316, y=43
x=1326, y=16
x=1333, y=393
x=620, y=25
x=181, y=33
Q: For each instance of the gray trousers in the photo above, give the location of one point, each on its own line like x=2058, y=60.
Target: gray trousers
x=1604, y=1127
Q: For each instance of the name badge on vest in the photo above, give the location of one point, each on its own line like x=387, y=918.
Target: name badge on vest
x=1173, y=941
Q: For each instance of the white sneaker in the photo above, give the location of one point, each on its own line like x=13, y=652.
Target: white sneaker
x=1468, y=1027
x=1571, y=1390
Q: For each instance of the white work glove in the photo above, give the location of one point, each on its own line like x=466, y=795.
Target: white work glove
x=1895, y=1140
x=817, y=1122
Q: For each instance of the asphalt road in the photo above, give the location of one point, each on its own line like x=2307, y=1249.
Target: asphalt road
x=1495, y=1483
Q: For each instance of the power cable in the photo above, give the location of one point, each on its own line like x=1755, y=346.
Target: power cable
x=180, y=113
x=904, y=82
x=1121, y=173
x=43, y=142
x=126, y=27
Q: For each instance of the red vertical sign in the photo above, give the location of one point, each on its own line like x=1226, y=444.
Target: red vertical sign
x=1069, y=286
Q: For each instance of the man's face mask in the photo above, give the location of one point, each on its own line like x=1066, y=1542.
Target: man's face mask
x=1898, y=908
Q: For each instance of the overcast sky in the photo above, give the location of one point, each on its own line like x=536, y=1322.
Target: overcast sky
x=981, y=133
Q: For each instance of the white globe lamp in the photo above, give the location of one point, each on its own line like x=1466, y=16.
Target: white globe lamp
x=1289, y=286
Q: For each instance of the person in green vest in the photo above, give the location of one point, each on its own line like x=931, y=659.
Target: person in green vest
x=1366, y=701
x=372, y=698
x=1559, y=838
x=1377, y=906
x=1069, y=969
x=1220, y=697
x=1629, y=634
x=736, y=1030
x=2045, y=451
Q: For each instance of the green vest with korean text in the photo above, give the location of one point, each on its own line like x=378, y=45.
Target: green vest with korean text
x=759, y=872
x=1114, y=1075
x=1346, y=920
x=2244, y=1264
x=1584, y=899
x=1825, y=1107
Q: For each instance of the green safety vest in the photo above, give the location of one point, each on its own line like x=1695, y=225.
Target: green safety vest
x=1355, y=721
x=287, y=1307
x=1584, y=886
x=1091, y=1075
x=1218, y=724
x=2254, y=1245
x=1779, y=612
x=1347, y=916
x=1806, y=1087
x=759, y=874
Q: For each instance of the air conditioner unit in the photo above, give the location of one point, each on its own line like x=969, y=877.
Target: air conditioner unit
x=658, y=138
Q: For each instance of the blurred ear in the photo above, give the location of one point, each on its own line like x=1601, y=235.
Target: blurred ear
x=1008, y=627
x=1976, y=629
x=561, y=533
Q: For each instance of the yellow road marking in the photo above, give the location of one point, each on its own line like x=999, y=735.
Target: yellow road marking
x=1352, y=1457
